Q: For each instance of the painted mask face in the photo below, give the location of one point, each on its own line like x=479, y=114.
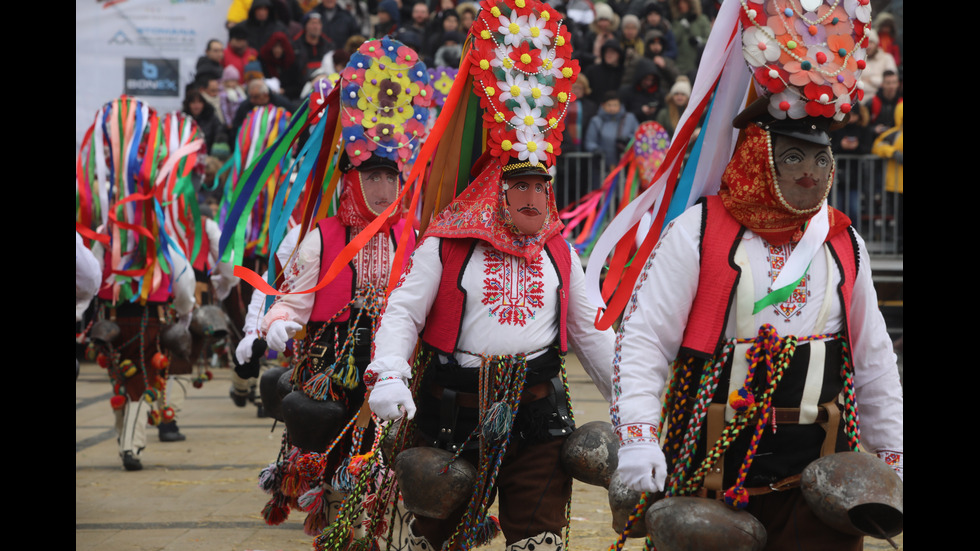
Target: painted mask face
x=380, y=188
x=803, y=172
x=526, y=200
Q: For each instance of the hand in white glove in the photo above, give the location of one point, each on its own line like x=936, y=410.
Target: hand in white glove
x=244, y=351
x=642, y=466
x=279, y=334
x=390, y=398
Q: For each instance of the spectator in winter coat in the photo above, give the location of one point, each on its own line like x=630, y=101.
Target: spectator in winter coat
x=311, y=45
x=645, y=95
x=279, y=61
x=610, y=130
x=608, y=74
x=238, y=53
x=261, y=24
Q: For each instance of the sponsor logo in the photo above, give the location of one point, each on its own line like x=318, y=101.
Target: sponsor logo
x=151, y=77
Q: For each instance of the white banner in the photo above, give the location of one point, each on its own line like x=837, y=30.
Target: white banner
x=143, y=48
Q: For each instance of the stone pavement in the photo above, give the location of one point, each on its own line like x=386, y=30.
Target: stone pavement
x=202, y=494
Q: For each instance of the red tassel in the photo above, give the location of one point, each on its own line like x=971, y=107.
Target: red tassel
x=276, y=511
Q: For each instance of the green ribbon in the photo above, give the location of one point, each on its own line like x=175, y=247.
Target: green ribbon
x=779, y=295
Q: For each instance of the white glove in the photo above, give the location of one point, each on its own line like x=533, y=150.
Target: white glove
x=642, y=466
x=391, y=398
x=244, y=350
x=279, y=334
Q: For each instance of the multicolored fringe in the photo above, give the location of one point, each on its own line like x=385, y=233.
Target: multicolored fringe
x=769, y=352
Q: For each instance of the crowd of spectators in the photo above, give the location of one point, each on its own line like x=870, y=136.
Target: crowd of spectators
x=642, y=53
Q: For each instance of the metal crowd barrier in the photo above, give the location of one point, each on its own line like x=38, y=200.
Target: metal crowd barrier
x=858, y=191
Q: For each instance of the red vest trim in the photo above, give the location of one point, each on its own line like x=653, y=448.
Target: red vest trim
x=446, y=316
x=720, y=236
x=334, y=296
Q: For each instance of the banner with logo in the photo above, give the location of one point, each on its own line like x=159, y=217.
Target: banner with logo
x=143, y=48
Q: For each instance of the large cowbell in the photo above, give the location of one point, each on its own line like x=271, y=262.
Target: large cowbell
x=312, y=424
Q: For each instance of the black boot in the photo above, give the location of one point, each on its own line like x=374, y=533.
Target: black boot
x=240, y=398
x=131, y=462
x=170, y=433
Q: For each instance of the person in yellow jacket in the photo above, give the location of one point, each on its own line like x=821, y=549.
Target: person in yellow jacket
x=889, y=147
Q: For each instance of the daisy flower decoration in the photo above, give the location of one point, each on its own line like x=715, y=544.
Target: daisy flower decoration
x=523, y=72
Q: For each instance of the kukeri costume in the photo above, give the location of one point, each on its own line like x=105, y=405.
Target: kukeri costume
x=135, y=202
x=382, y=104
x=494, y=304
x=755, y=316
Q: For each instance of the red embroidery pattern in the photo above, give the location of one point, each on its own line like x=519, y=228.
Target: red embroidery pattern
x=513, y=288
x=778, y=254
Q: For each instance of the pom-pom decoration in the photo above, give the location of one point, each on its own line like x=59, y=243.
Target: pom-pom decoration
x=168, y=414
x=153, y=417
x=128, y=368
x=384, y=96
x=151, y=395
x=117, y=402
x=523, y=72
x=741, y=399
x=806, y=55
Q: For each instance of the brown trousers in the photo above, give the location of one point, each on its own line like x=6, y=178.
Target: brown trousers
x=533, y=489
x=792, y=526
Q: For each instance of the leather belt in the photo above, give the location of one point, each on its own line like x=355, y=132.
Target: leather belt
x=472, y=400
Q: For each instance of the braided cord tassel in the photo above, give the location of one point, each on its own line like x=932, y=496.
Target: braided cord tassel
x=638, y=512
x=501, y=381
x=851, y=425
x=783, y=349
x=710, y=376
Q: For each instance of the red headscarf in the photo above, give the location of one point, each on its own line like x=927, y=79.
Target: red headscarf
x=748, y=191
x=352, y=208
x=479, y=213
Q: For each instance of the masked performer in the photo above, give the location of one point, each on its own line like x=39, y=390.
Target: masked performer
x=495, y=295
x=763, y=293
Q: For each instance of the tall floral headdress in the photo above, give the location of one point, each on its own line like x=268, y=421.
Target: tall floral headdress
x=385, y=96
x=805, y=58
x=523, y=73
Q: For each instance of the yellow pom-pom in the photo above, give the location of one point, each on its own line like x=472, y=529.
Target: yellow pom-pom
x=484, y=64
x=562, y=97
x=535, y=32
x=507, y=63
x=514, y=28
x=485, y=34
x=567, y=72
x=549, y=148
x=525, y=59
x=529, y=120
x=490, y=91
x=546, y=15
x=532, y=146
x=495, y=11
x=546, y=63
x=515, y=90
x=506, y=145
x=535, y=92
x=552, y=122
x=559, y=40
x=499, y=117
x=519, y=3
